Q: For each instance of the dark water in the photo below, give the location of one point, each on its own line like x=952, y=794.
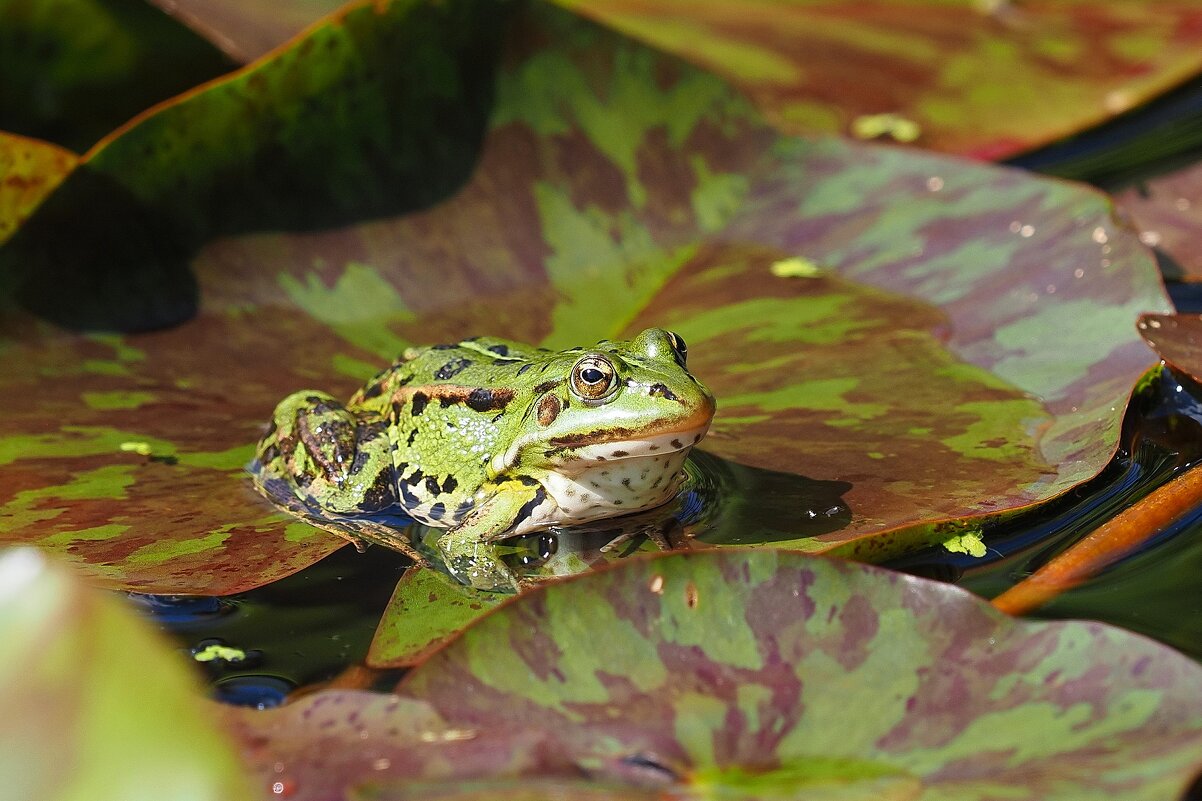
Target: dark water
x=317, y=624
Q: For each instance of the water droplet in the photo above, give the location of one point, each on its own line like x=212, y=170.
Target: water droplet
x=934, y=183
x=1117, y=101
x=1099, y=235
x=383, y=763
x=657, y=585
x=1015, y=226
x=1026, y=231
x=1078, y=273
x=283, y=788
x=1150, y=238
x=260, y=692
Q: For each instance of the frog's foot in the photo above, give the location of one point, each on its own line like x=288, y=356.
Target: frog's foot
x=667, y=536
x=333, y=459
x=477, y=563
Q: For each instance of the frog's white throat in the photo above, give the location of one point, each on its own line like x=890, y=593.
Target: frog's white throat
x=608, y=479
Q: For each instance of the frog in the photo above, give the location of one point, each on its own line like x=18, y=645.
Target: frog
x=491, y=439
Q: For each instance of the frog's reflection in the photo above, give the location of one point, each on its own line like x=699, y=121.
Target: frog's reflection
x=721, y=504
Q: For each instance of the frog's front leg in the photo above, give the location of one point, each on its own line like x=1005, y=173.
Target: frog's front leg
x=469, y=548
x=330, y=456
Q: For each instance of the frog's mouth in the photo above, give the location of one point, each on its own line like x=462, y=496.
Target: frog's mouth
x=612, y=444
x=626, y=444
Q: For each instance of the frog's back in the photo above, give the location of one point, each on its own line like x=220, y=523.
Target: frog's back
x=450, y=407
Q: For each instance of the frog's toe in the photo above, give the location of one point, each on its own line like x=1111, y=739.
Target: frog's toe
x=477, y=564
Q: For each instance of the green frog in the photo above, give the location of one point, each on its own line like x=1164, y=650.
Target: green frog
x=491, y=439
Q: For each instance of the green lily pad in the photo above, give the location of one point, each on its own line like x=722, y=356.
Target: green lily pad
x=427, y=607
x=758, y=675
x=72, y=70
x=988, y=80
x=959, y=342
x=96, y=705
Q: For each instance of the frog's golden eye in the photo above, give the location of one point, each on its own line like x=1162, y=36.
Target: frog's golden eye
x=677, y=342
x=593, y=378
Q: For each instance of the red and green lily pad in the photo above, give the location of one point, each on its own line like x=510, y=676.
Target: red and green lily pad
x=753, y=675
x=246, y=30
x=75, y=69
x=988, y=79
x=96, y=704
x=951, y=340
x=1167, y=210
x=1178, y=340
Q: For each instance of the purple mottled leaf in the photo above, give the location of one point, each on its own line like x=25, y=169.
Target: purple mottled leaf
x=757, y=675
x=245, y=30
x=987, y=79
x=1178, y=340
x=945, y=340
x=1167, y=210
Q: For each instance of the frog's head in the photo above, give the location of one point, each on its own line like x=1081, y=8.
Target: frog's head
x=617, y=400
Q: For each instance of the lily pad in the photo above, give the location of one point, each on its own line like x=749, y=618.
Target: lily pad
x=1178, y=340
x=376, y=111
x=76, y=723
x=1167, y=210
x=247, y=30
x=957, y=330
x=29, y=170
x=324, y=743
x=72, y=70
x=735, y=670
x=756, y=675
x=988, y=79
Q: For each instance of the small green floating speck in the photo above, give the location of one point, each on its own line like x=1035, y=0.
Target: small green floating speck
x=795, y=267
x=224, y=653
x=874, y=126
x=140, y=448
x=968, y=542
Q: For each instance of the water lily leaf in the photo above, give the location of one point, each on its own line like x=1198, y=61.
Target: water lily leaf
x=732, y=671
x=1167, y=210
x=1178, y=340
x=960, y=343
x=756, y=675
x=76, y=724
x=323, y=744
x=29, y=170
x=246, y=30
x=376, y=111
x=983, y=79
x=73, y=70
x=427, y=607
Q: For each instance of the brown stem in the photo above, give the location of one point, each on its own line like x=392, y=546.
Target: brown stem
x=1106, y=544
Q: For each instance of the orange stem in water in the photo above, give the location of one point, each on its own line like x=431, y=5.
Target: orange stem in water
x=1106, y=544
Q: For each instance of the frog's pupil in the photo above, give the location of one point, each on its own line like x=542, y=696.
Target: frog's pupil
x=592, y=375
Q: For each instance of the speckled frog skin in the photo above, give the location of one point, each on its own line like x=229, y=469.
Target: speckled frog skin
x=491, y=439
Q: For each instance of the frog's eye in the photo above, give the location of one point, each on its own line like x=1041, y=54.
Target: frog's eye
x=677, y=342
x=593, y=378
